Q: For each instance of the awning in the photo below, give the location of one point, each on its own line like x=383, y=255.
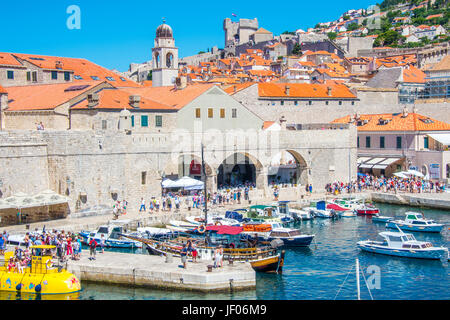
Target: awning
x=23, y=201
x=443, y=138
x=229, y=230
x=376, y=163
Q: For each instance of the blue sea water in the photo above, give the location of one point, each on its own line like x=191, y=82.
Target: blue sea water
x=318, y=272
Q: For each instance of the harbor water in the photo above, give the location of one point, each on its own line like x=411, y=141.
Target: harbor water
x=319, y=272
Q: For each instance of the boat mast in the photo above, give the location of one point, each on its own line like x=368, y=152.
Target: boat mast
x=205, y=193
x=357, y=279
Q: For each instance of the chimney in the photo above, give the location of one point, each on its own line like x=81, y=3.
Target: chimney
x=287, y=90
x=283, y=123
x=329, y=91
x=234, y=88
x=405, y=112
x=58, y=65
x=135, y=101
x=92, y=100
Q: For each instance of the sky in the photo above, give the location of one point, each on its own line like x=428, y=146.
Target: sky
x=114, y=34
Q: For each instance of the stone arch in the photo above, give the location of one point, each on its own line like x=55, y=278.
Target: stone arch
x=157, y=60
x=240, y=168
x=288, y=167
x=169, y=60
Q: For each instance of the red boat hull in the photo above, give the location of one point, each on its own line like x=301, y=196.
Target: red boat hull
x=367, y=212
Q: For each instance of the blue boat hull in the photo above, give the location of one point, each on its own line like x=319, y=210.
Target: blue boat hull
x=292, y=242
x=433, y=255
x=118, y=244
x=435, y=229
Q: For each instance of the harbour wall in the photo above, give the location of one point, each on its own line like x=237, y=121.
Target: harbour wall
x=436, y=201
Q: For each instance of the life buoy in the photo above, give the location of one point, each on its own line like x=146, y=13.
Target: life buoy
x=202, y=229
x=48, y=264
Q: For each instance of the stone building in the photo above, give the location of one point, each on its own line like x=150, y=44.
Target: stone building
x=239, y=32
x=388, y=143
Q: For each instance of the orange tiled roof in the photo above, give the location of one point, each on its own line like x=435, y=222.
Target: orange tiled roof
x=9, y=60
x=261, y=73
x=267, y=124
x=3, y=90
x=304, y=90
x=412, y=122
x=239, y=87
x=120, y=99
x=80, y=67
x=45, y=97
x=413, y=75
x=169, y=95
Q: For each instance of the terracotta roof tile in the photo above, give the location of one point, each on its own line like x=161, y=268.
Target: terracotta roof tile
x=3, y=90
x=305, y=90
x=169, y=95
x=412, y=122
x=45, y=97
x=120, y=99
x=80, y=67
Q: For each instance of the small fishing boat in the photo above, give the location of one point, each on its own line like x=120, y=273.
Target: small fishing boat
x=111, y=235
x=289, y=236
x=262, y=258
x=237, y=215
x=295, y=214
x=382, y=219
x=415, y=222
x=213, y=220
x=41, y=276
x=403, y=245
x=264, y=214
x=367, y=210
x=156, y=233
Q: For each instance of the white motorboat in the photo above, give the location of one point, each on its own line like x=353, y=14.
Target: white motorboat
x=403, y=245
x=415, y=222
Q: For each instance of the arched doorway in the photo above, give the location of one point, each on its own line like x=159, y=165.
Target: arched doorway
x=238, y=169
x=289, y=168
x=448, y=171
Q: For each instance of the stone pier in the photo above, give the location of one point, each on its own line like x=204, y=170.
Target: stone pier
x=139, y=270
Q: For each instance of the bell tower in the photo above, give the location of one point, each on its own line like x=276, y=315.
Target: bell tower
x=164, y=57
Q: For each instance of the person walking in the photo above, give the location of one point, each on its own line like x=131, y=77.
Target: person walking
x=102, y=243
x=92, y=248
x=183, y=254
x=142, y=208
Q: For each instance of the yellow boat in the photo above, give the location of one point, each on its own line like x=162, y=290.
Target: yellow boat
x=39, y=278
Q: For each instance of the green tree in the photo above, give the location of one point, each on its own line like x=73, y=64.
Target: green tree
x=332, y=35
x=297, y=50
x=352, y=26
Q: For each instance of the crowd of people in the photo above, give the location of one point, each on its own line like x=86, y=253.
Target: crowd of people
x=174, y=201
x=394, y=184
x=67, y=245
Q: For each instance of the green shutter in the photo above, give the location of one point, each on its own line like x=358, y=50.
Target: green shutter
x=132, y=121
x=158, y=121
x=144, y=121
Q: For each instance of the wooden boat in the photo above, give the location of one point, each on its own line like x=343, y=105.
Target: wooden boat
x=263, y=258
x=403, y=245
x=297, y=215
x=272, y=264
x=415, y=222
x=40, y=276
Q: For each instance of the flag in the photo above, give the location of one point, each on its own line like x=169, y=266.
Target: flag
x=234, y=15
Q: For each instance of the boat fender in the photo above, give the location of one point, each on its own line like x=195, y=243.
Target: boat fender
x=19, y=287
x=38, y=288
x=202, y=229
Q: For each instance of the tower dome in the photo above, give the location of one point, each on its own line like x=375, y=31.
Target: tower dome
x=164, y=31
